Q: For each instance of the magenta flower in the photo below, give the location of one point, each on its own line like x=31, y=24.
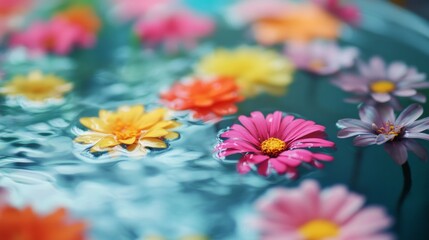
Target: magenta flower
x=321, y=58
x=348, y=13
x=274, y=143
x=379, y=126
x=57, y=35
x=309, y=213
x=378, y=83
x=173, y=29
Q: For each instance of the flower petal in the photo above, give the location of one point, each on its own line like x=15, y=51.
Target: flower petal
x=107, y=142
x=423, y=136
x=405, y=92
x=153, y=143
x=88, y=138
x=397, y=151
x=419, y=126
x=350, y=132
x=365, y=140
x=417, y=149
x=409, y=115
x=381, y=97
x=396, y=71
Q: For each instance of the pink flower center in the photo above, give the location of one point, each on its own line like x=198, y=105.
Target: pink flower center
x=273, y=147
x=389, y=128
x=319, y=229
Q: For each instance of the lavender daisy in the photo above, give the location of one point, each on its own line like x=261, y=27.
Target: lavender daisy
x=381, y=83
x=380, y=126
x=322, y=58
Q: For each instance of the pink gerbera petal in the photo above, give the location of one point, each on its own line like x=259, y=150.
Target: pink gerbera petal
x=274, y=144
x=301, y=213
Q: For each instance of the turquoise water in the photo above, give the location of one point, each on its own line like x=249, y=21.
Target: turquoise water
x=185, y=190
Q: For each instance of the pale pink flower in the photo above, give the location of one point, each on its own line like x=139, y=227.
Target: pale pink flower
x=57, y=35
x=247, y=11
x=321, y=58
x=134, y=9
x=347, y=12
x=274, y=143
x=309, y=213
x=378, y=82
x=173, y=29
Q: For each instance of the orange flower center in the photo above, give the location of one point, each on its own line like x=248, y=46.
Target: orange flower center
x=317, y=64
x=319, y=229
x=382, y=86
x=123, y=130
x=273, y=147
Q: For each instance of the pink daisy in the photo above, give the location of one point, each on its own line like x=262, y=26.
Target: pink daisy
x=174, y=29
x=134, y=9
x=309, y=213
x=57, y=35
x=274, y=143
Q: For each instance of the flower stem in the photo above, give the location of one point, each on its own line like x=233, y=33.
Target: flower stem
x=406, y=172
x=357, y=165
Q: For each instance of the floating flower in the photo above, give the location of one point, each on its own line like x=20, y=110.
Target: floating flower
x=8, y=8
x=378, y=83
x=37, y=87
x=379, y=126
x=26, y=224
x=82, y=16
x=311, y=214
x=75, y=27
x=347, y=12
x=129, y=127
x=11, y=13
x=322, y=58
x=134, y=9
x=249, y=11
x=254, y=69
x=173, y=29
x=274, y=143
x=207, y=99
x=278, y=22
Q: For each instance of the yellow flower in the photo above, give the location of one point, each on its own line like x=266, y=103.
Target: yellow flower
x=37, y=87
x=130, y=127
x=254, y=69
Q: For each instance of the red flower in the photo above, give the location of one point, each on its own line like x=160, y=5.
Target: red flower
x=208, y=99
x=25, y=224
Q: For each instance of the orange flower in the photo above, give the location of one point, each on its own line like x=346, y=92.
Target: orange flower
x=25, y=224
x=301, y=23
x=82, y=16
x=208, y=99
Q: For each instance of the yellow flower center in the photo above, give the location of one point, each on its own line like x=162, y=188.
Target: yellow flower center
x=273, y=147
x=389, y=129
x=123, y=130
x=382, y=86
x=319, y=229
